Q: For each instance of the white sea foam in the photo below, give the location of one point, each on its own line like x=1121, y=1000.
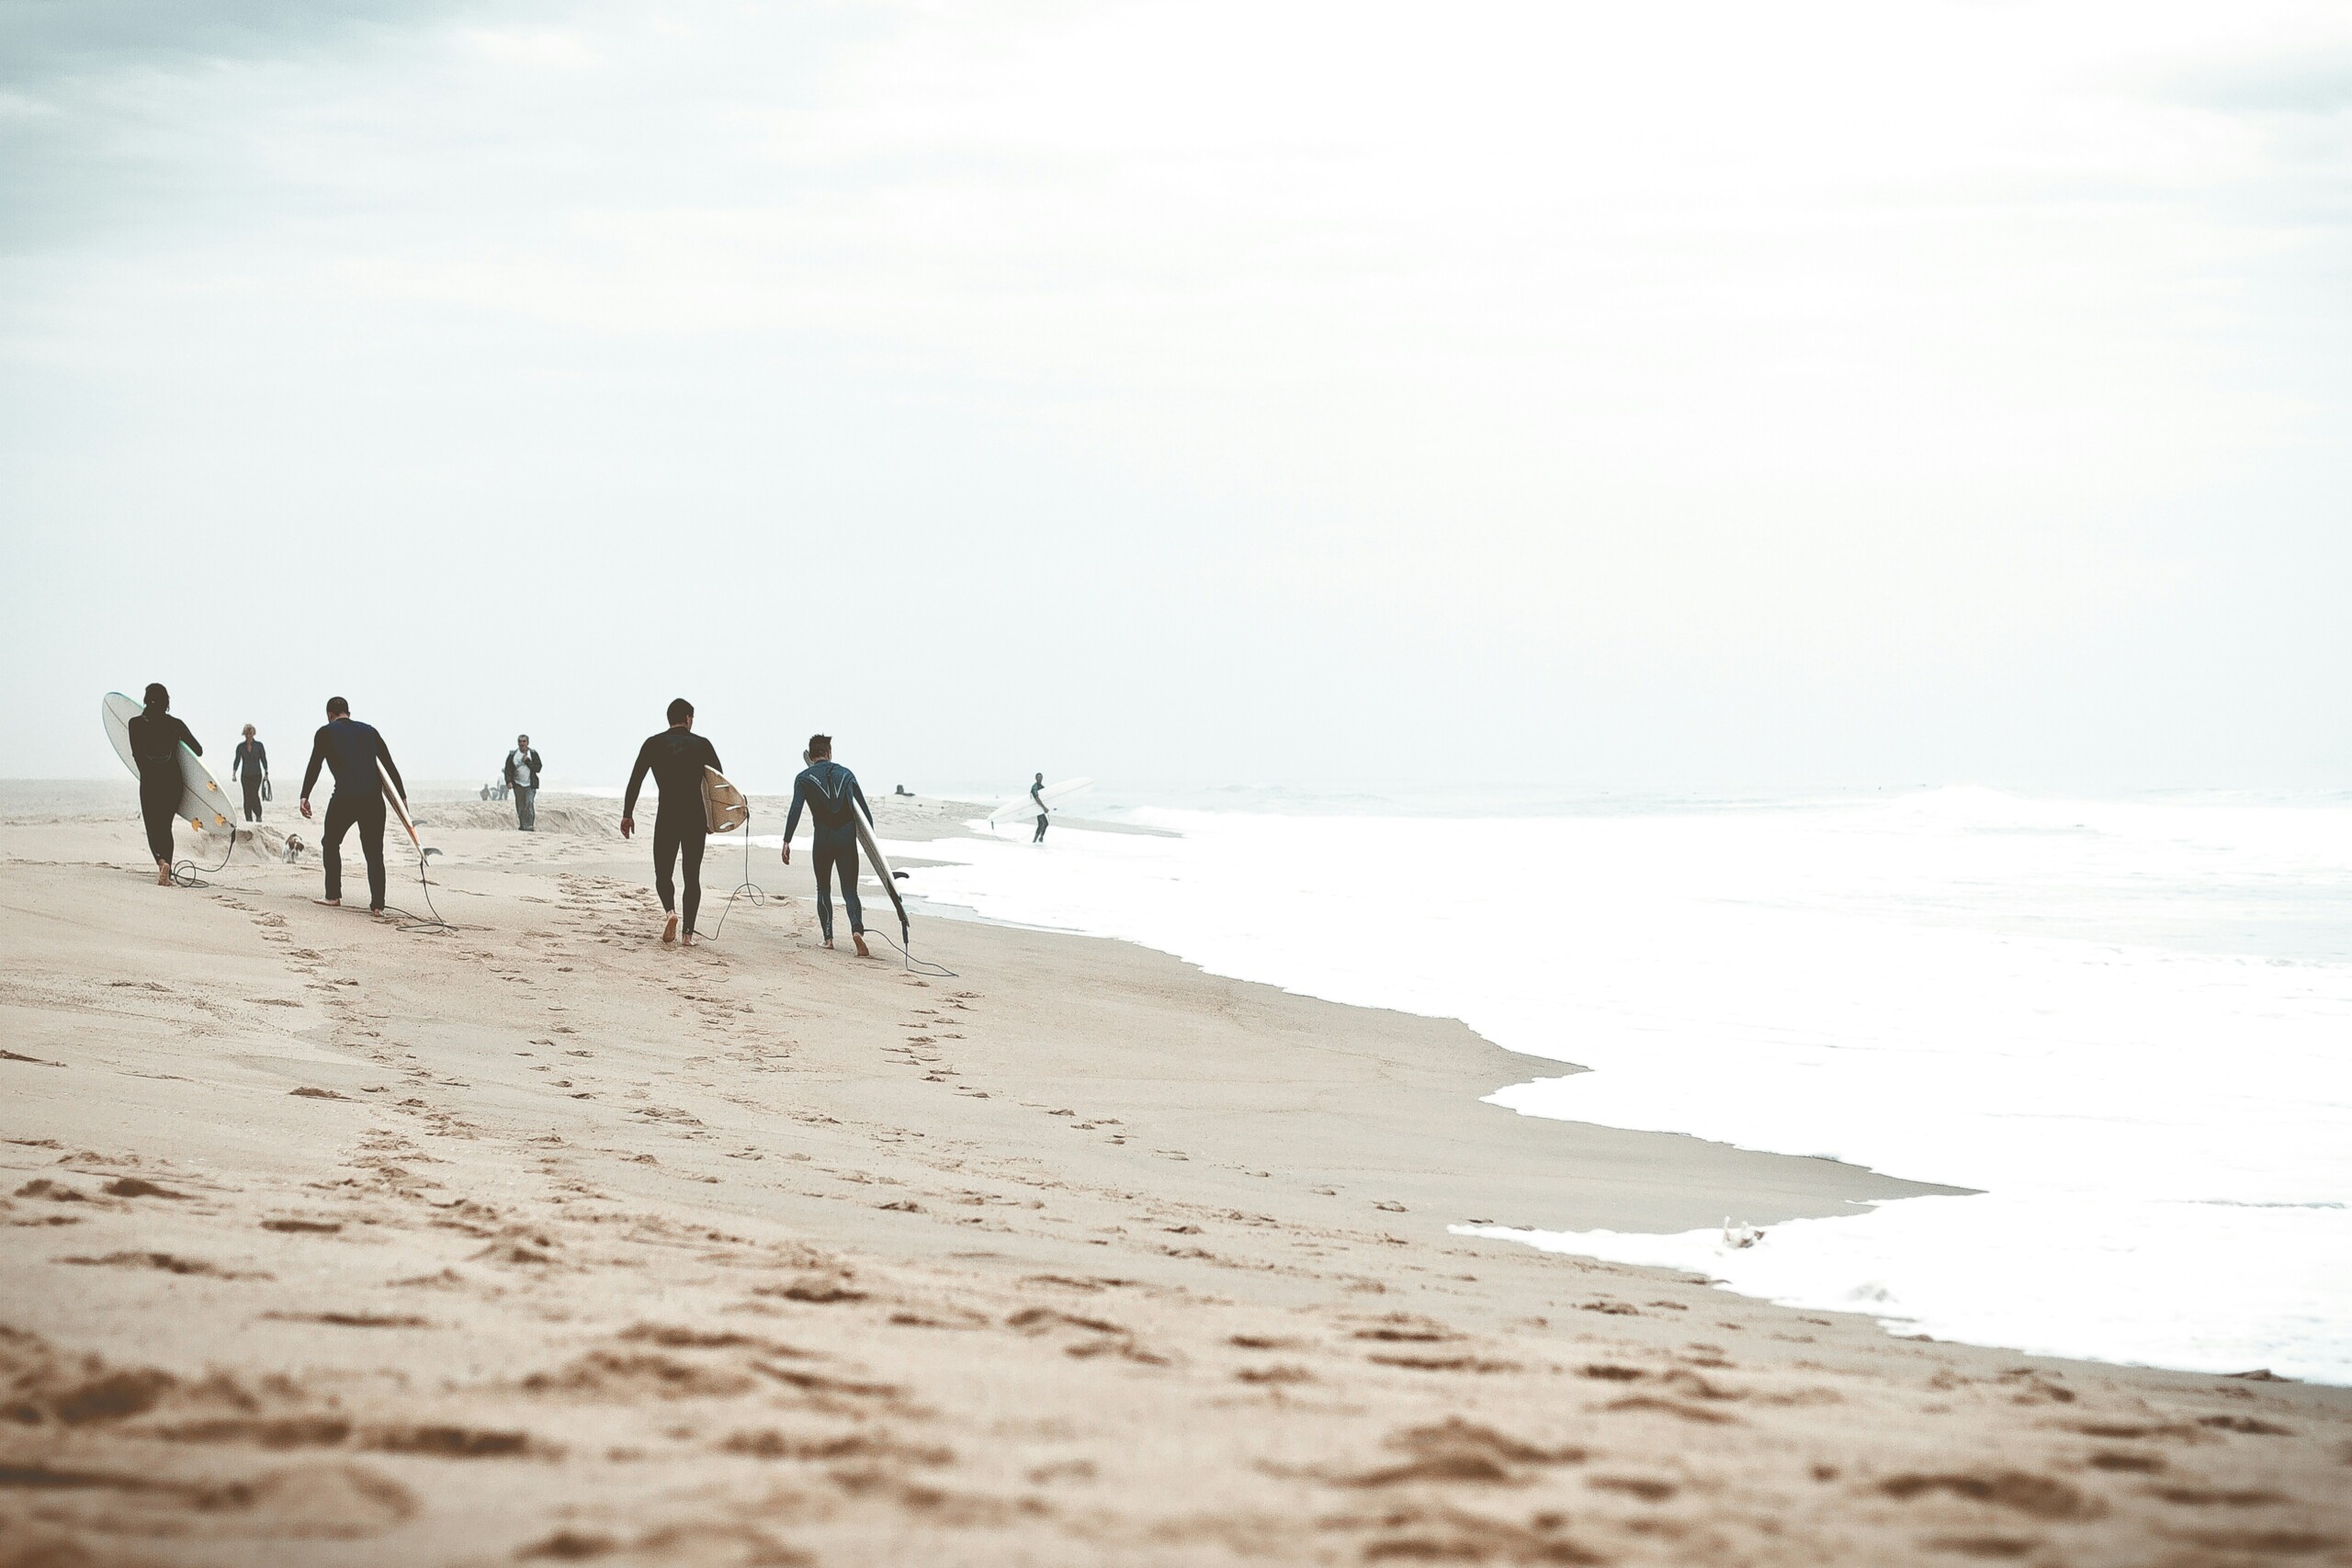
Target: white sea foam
x=2129, y=1023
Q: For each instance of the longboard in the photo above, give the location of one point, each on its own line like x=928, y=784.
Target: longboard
x=724, y=809
x=400, y=806
x=880, y=863
x=203, y=804
x=1025, y=808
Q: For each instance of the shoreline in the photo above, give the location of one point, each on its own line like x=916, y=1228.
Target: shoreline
x=756, y=1248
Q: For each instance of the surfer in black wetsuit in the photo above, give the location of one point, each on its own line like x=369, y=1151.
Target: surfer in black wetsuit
x=1037, y=797
x=155, y=741
x=350, y=750
x=675, y=758
x=248, y=763
x=828, y=790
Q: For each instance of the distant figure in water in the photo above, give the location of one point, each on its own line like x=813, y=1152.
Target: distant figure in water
x=350, y=750
x=248, y=763
x=675, y=758
x=830, y=792
x=522, y=774
x=155, y=741
x=1036, y=794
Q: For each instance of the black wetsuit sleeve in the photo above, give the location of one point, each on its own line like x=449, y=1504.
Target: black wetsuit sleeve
x=792, y=817
x=859, y=795
x=261, y=758
x=384, y=755
x=710, y=755
x=637, y=779
x=318, y=761
x=188, y=738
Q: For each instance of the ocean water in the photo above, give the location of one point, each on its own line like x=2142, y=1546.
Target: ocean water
x=2126, y=1024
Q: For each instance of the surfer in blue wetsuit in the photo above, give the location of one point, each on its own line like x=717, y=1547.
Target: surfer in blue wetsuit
x=350, y=750
x=830, y=792
x=155, y=741
x=1037, y=797
x=248, y=763
x=675, y=758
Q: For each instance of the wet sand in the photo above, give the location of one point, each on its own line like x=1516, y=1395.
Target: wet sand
x=327, y=1241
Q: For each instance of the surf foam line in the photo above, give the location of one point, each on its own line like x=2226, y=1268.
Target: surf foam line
x=2121, y=1022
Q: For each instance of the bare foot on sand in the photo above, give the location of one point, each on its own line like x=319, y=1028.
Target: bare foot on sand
x=687, y=940
x=328, y=903
x=162, y=873
x=859, y=938
x=670, y=930
x=828, y=944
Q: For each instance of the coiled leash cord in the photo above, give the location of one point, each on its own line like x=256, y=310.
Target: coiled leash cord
x=410, y=922
x=750, y=892
x=185, y=872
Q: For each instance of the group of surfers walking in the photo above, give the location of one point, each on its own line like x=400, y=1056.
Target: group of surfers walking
x=350, y=751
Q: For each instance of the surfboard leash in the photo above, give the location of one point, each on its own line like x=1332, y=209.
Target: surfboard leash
x=185, y=873
x=913, y=965
x=415, y=922
x=758, y=898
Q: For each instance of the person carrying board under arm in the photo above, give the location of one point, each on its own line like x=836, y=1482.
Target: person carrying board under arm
x=350, y=750
x=830, y=792
x=1037, y=797
x=675, y=758
x=155, y=741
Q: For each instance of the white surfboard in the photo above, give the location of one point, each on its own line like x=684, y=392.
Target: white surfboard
x=1025, y=809
x=724, y=809
x=880, y=864
x=203, y=804
x=399, y=805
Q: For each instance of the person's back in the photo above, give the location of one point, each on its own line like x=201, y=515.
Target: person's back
x=832, y=794
x=350, y=751
x=156, y=737
x=675, y=758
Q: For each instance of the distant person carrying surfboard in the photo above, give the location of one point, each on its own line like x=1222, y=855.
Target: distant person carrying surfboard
x=675, y=758
x=1037, y=794
x=830, y=792
x=352, y=751
x=248, y=763
x=155, y=741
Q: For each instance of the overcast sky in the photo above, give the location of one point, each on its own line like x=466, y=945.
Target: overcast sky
x=1680, y=394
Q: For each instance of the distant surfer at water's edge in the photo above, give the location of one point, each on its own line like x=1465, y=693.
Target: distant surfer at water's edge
x=675, y=758
x=830, y=792
x=1038, y=795
x=155, y=740
x=352, y=751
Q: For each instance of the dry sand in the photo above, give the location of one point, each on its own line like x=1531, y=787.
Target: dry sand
x=327, y=1242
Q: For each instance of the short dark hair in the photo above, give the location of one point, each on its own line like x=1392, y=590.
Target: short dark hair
x=156, y=697
x=337, y=707
x=820, y=744
x=680, y=710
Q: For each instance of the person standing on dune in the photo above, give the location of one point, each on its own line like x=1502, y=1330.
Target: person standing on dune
x=155, y=741
x=350, y=750
x=675, y=758
x=249, y=764
x=521, y=771
x=830, y=792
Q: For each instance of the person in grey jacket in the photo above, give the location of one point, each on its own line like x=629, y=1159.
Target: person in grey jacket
x=523, y=784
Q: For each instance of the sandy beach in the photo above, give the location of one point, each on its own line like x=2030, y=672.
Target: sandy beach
x=536, y=1241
